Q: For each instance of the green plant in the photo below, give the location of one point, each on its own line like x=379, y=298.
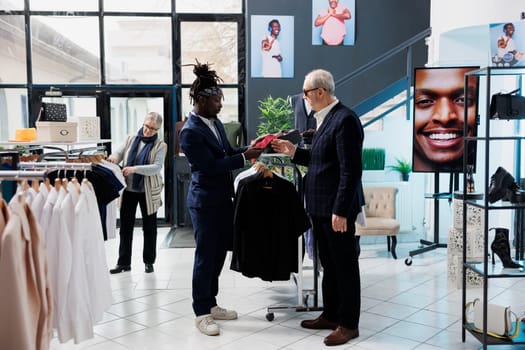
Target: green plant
x=373, y=159
x=276, y=114
x=403, y=166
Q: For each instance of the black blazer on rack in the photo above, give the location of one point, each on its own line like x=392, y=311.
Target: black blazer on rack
x=269, y=218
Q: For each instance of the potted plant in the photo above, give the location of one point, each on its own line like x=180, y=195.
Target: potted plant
x=402, y=166
x=276, y=114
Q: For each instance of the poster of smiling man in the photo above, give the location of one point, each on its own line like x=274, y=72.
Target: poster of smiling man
x=507, y=44
x=272, y=46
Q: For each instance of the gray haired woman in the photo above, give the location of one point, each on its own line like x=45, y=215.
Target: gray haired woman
x=142, y=157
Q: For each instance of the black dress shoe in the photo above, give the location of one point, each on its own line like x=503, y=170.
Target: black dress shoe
x=149, y=268
x=119, y=269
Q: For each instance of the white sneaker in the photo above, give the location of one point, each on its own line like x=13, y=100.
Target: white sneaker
x=218, y=313
x=207, y=325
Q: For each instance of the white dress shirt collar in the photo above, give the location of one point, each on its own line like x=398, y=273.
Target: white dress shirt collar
x=321, y=115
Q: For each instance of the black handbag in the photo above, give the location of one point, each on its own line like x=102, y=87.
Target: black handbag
x=52, y=112
x=507, y=106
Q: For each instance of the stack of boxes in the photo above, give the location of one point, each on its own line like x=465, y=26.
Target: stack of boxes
x=74, y=130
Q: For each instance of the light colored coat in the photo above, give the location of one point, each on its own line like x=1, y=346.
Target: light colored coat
x=153, y=183
x=25, y=303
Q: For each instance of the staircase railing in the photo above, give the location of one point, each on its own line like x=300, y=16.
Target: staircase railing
x=406, y=45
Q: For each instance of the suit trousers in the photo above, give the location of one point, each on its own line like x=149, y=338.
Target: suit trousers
x=128, y=210
x=341, y=283
x=213, y=230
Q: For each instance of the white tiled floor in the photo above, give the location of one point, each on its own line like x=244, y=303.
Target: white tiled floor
x=403, y=307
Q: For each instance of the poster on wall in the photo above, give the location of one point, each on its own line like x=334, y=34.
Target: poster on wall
x=272, y=46
x=507, y=44
x=333, y=22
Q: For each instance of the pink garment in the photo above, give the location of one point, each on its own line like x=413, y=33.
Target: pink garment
x=25, y=309
x=334, y=30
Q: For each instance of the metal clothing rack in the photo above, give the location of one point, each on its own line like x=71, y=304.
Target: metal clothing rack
x=55, y=165
x=280, y=161
x=15, y=175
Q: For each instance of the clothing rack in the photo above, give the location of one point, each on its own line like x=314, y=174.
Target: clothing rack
x=282, y=161
x=15, y=175
x=55, y=165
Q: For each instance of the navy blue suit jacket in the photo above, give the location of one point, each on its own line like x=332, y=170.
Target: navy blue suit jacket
x=211, y=163
x=333, y=182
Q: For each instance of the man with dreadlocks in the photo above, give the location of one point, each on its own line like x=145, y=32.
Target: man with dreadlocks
x=212, y=158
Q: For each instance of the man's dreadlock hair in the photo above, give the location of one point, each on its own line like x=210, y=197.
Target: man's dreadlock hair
x=206, y=83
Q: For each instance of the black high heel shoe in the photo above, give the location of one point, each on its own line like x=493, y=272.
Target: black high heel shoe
x=501, y=247
x=500, y=182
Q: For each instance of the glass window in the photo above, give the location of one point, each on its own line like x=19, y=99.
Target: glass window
x=13, y=112
x=208, y=6
x=137, y=6
x=138, y=50
x=11, y=5
x=64, y=54
x=13, y=53
x=210, y=42
x=64, y=5
x=230, y=105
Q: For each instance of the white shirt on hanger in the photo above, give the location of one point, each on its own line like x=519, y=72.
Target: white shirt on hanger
x=39, y=201
x=75, y=320
x=89, y=226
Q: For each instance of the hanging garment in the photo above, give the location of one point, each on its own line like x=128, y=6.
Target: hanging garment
x=45, y=327
x=39, y=201
x=88, y=226
x=59, y=256
x=47, y=212
x=105, y=184
x=269, y=217
x=74, y=321
x=111, y=208
x=25, y=309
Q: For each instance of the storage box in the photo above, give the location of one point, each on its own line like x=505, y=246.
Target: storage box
x=56, y=131
x=25, y=135
x=88, y=127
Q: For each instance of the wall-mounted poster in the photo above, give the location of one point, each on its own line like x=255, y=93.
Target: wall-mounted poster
x=507, y=44
x=272, y=42
x=333, y=22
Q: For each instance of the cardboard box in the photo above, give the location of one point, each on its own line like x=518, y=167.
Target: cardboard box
x=56, y=131
x=88, y=127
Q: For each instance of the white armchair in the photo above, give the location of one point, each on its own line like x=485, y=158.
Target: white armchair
x=380, y=210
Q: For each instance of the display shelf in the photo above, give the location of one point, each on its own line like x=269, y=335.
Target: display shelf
x=40, y=143
x=496, y=134
x=520, y=339
x=495, y=206
x=488, y=71
x=496, y=270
